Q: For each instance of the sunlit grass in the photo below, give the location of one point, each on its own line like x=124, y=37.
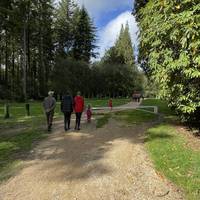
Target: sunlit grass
x=162, y=106
x=171, y=157
x=15, y=147
x=135, y=116
x=18, y=111
x=102, y=121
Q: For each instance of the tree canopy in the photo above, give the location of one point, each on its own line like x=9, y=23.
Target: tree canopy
x=34, y=36
x=169, y=52
x=46, y=46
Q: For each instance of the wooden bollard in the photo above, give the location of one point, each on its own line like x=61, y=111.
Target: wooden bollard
x=27, y=109
x=6, y=111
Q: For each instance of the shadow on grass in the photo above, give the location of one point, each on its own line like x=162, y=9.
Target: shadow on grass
x=15, y=147
x=158, y=137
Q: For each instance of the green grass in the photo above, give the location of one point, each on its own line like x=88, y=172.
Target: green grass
x=135, y=116
x=18, y=111
x=170, y=154
x=162, y=106
x=18, y=114
x=148, y=109
x=16, y=145
x=104, y=102
x=168, y=114
x=177, y=162
x=14, y=148
x=129, y=116
x=102, y=121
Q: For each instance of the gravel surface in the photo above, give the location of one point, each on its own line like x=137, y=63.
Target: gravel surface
x=109, y=163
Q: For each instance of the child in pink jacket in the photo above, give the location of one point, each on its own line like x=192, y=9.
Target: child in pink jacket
x=89, y=113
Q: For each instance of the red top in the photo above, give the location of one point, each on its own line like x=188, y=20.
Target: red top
x=89, y=113
x=110, y=103
x=78, y=104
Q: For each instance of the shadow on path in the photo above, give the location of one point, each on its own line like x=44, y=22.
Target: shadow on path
x=75, y=155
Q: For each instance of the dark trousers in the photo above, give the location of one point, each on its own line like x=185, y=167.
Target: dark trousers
x=78, y=120
x=49, y=116
x=67, y=119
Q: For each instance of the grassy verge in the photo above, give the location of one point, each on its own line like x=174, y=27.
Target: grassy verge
x=18, y=111
x=170, y=154
x=18, y=115
x=171, y=157
x=16, y=143
x=162, y=106
x=14, y=148
x=104, y=102
x=129, y=116
x=135, y=116
x=102, y=121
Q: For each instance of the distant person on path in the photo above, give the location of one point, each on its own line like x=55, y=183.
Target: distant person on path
x=110, y=104
x=89, y=113
x=136, y=96
x=49, y=105
x=78, y=108
x=67, y=109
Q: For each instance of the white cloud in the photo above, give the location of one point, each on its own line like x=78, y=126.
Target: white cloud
x=97, y=7
x=108, y=34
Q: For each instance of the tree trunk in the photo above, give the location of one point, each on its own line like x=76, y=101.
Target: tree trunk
x=6, y=61
x=13, y=70
x=24, y=62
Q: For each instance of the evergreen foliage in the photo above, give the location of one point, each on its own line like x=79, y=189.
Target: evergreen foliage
x=118, y=67
x=33, y=37
x=124, y=46
x=25, y=48
x=64, y=26
x=122, y=52
x=84, y=37
x=44, y=45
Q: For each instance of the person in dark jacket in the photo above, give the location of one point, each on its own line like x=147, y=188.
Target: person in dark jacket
x=78, y=108
x=67, y=109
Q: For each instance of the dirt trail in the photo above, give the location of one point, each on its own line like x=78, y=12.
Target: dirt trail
x=94, y=164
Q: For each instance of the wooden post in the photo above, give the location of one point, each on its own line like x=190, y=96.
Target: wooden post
x=27, y=109
x=6, y=111
x=156, y=109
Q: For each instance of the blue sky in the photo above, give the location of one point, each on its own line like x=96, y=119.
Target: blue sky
x=108, y=16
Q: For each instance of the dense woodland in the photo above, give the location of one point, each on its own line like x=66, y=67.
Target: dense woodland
x=46, y=46
x=169, y=52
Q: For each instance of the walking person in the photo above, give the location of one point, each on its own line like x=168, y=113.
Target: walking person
x=89, y=113
x=78, y=108
x=110, y=104
x=67, y=109
x=49, y=105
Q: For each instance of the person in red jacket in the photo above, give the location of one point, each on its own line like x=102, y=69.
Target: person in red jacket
x=78, y=108
x=110, y=104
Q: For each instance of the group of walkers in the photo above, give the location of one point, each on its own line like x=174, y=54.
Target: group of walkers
x=68, y=105
x=136, y=96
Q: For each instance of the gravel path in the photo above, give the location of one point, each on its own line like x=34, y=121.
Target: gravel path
x=109, y=163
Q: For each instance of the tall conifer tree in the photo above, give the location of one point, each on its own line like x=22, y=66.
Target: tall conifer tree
x=64, y=25
x=84, y=36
